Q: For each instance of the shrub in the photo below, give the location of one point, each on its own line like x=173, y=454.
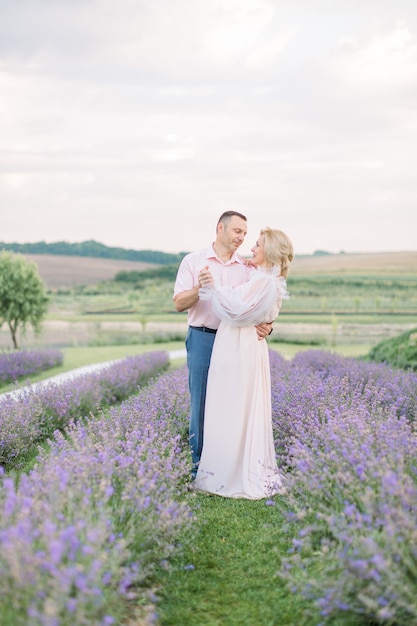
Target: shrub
x=31, y=415
x=21, y=363
x=346, y=433
x=83, y=532
x=400, y=351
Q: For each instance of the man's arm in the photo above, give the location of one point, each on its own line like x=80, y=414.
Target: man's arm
x=264, y=329
x=186, y=299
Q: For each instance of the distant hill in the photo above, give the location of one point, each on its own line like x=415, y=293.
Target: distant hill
x=63, y=264
x=67, y=271
x=59, y=271
x=93, y=249
x=364, y=263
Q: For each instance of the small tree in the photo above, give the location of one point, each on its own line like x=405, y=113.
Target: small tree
x=23, y=297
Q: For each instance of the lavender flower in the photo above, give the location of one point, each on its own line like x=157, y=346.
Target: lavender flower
x=35, y=414
x=98, y=512
x=16, y=365
x=346, y=432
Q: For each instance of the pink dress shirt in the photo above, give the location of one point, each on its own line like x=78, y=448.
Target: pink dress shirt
x=234, y=272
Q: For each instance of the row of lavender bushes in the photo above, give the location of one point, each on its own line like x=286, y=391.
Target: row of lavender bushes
x=346, y=431
x=30, y=415
x=16, y=365
x=82, y=532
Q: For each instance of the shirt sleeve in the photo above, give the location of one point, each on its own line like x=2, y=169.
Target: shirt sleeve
x=185, y=275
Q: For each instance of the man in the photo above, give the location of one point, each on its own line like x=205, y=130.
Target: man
x=221, y=263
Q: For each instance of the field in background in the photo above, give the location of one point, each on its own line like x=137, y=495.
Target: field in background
x=60, y=271
x=336, y=300
x=366, y=264
x=69, y=271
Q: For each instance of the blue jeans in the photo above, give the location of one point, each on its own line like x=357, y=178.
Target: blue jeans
x=199, y=346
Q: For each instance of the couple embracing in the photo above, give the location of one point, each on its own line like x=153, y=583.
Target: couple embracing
x=231, y=306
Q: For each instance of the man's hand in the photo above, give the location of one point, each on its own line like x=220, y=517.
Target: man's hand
x=263, y=330
x=187, y=299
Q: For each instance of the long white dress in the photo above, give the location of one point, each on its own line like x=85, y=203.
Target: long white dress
x=238, y=457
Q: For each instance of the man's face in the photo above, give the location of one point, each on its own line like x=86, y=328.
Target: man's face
x=233, y=234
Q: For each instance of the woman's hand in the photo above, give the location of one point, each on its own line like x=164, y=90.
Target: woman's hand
x=205, y=278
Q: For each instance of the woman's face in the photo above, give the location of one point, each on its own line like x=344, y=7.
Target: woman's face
x=258, y=251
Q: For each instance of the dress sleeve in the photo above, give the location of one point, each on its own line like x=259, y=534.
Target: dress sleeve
x=249, y=304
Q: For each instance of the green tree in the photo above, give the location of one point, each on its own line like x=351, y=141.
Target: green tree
x=23, y=299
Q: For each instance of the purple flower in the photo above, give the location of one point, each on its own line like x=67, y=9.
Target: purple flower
x=18, y=364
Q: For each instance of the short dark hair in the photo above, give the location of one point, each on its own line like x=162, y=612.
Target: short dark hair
x=227, y=215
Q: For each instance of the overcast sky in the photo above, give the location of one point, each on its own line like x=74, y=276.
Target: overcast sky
x=137, y=122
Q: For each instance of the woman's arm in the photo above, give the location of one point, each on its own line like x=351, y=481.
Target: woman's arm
x=251, y=303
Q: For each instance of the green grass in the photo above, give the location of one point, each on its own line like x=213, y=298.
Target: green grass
x=226, y=571
x=78, y=356
x=235, y=554
x=289, y=350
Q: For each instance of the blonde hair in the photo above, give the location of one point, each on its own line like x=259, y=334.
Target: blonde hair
x=278, y=249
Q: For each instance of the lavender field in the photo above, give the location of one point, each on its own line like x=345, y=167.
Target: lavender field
x=22, y=363
x=346, y=432
x=28, y=418
x=82, y=533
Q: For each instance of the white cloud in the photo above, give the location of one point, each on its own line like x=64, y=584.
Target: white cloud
x=137, y=122
x=386, y=58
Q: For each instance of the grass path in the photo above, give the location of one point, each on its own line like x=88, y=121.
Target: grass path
x=226, y=575
x=226, y=572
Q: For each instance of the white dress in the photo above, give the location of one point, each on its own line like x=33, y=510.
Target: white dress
x=238, y=457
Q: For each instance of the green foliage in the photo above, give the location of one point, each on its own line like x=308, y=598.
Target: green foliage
x=151, y=291
x=352, y=294
x=94, y=249
x=147, y=298
x=23, y=298
x=400, y=351
x=167, y=272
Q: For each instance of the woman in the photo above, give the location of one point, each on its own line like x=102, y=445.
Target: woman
x=238, y=457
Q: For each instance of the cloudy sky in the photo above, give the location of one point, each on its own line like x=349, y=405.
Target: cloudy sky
x=137, y=122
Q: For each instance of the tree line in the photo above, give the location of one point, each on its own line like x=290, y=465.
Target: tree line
x=167, y=272
x=94, y=249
